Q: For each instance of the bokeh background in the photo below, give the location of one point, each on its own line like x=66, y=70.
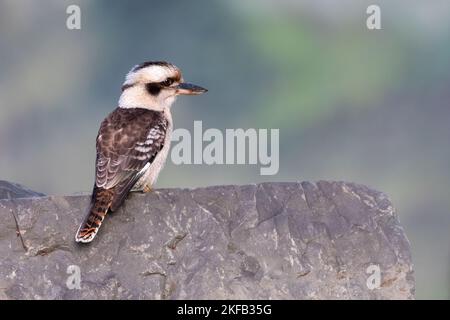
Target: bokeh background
x=351, y=104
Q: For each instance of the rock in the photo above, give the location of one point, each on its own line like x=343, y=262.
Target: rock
x=10, y=190
x=267, y=241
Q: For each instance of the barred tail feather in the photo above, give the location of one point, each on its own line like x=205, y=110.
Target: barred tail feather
x=100, y=204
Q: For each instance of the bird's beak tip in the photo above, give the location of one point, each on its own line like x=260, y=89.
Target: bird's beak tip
x=190, y=89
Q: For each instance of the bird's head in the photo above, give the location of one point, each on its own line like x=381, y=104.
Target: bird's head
x=155, y=85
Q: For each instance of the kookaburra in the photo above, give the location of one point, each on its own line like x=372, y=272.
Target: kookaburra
x=133, y=141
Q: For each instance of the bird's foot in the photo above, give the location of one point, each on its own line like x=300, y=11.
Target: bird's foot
x=147, y=189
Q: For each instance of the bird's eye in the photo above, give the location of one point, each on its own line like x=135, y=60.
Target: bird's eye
x=167, y=82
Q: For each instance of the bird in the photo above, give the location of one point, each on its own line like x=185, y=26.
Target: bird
x=133, y=141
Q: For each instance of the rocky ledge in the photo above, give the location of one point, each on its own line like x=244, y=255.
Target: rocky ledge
x=9, y=190
x=329, y=240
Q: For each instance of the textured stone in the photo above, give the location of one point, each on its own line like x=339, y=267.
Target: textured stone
x=10, y=190
x=264, y=241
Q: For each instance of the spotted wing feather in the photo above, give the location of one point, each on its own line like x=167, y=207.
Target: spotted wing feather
x=127, y=143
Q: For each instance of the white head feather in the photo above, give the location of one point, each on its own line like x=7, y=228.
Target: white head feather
x=151, y=73
x=135, y=94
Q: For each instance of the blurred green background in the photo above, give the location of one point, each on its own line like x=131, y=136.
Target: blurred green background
x=371, y=107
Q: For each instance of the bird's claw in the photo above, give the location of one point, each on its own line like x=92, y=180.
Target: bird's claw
x=147, y=189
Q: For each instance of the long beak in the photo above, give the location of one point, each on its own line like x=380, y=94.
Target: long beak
x=189, y=89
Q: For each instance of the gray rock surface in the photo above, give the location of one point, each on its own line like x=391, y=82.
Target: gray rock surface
x=9, y=190
x=264, y=241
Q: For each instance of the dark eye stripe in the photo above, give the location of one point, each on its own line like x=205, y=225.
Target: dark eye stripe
x=153, y=88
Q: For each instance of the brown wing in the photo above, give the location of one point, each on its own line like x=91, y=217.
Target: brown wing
x=127, y=141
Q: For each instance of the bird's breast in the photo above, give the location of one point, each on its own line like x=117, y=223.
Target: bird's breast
x=150, y=174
